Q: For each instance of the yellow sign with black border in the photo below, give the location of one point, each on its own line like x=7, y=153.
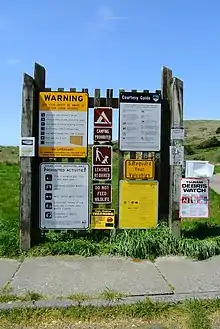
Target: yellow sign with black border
x=63, y=124
x=139, y=169
x=138, y=204
x=61, y=101
x=103, y=219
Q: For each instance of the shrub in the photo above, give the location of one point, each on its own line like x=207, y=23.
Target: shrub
x=217, y=158
x=217, y=131
x=199, y=157
x=189, y=150
x=115, y=147
x=211, y=142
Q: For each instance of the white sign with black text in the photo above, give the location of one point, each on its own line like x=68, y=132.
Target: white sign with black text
x=194, y=198
x=27, y=147
x=176, y=155
x=64, y=196
x=177, y=133
x=139, y=121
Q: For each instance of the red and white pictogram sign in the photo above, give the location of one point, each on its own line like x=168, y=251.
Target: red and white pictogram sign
x=102, y=162
x=103, y=117
x=102, y=155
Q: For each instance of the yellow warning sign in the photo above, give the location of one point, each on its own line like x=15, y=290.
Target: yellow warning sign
x=138, y=204
x=103, y=219
x=57, y=101
x=139, y=169
x=63, y=125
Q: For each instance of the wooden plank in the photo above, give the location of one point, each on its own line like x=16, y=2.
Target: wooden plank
x=176, y=93
x=39, y=78
x=166, y=80
x=132, y=153
x=157, y=158
x=96, y=104
x=26, y=164
x=85, y=90
x=109, y=97
x=102, y=102
x=120, y=162
x=145, y=155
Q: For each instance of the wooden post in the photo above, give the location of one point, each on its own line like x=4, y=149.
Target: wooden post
x=166, y=81
x=96, y=104
x=109, y=97
x=39, y=78
x=26, y=164
x=84, y=160
x=120, y=160
x=176, y=93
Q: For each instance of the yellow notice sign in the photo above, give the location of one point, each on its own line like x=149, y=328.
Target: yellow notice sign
x=138, y=204
x=103, y=219
x=63, y=125
x=57, y=101
x=139, y=169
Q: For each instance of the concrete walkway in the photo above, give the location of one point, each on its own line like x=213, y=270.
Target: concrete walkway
x=215, y=183
x=168, y=278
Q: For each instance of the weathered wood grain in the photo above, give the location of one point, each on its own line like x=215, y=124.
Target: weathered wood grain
x=109, y=97
x=176, y=93
x=85, y=90
x=39, y=78
x=120, y=161
x=166, y=80
x=26, y=164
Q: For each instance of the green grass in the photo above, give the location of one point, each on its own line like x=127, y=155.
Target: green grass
x=109, y=295
x=193, y=314
x=6, y=297
x=200, y=238
x=9, y=154
x=217, y=169
x=9, y=209
x=211, y=154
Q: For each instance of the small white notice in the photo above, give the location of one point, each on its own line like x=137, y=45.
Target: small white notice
x=139, y=121
x=177, y=133
x=64, y=196
x=176, y=155
x=27, y=147
x=196, y=169
x=194, y=198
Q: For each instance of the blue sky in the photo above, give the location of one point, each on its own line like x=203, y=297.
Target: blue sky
x=109, y=44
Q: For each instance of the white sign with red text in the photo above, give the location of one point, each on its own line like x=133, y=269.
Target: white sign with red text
x=194, y=198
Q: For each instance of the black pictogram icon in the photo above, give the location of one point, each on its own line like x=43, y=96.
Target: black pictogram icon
x=48, y=177
x=48, y=214
x=48, y=187
x=48, y=196
x=48, y=205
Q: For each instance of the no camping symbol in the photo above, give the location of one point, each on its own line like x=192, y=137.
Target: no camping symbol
x=102, y=155
x=103, y=117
